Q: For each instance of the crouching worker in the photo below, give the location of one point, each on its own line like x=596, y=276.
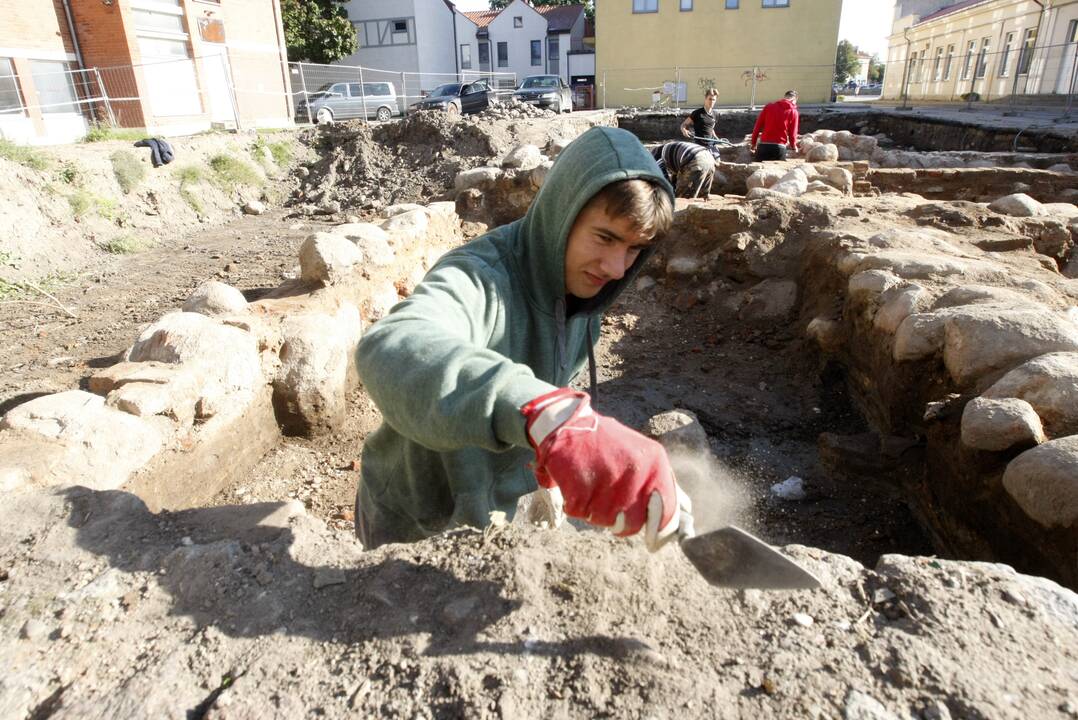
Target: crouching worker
x=471, y=371
x=689, y=168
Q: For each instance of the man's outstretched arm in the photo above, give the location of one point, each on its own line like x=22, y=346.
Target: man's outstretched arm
x=427, y=367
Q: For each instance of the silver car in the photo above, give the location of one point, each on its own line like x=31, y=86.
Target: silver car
x=546, y=91
x=346, y=100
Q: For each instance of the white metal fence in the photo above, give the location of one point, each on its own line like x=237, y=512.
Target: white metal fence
x=182, y=94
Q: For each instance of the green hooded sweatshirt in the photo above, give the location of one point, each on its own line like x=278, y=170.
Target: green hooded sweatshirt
x=484, y=333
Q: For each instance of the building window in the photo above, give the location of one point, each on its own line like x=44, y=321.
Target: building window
x=466, y=57
x=1072, y=32
x=537, y=52
x=392, y=31
x=982, y=58
x=553, y=55
x=776, y=3
x=10, y=99
x=503, y=54
x=55, y=90
x=937, y=65
x=947, y=64
x=1029, y=41
x=645, y=6
x=518, y=21
x=163, y=22
x=733, y=4
x=484, y=55
x=686, y=5
x=967, y=66
x=1005, y=60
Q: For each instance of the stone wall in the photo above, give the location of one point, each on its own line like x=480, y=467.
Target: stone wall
x=205, y=391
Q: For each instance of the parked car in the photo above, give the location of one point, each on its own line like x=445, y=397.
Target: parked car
x=545, y=91
x=346, y=100
x=458, y=98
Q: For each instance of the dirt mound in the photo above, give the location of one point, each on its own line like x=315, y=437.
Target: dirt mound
x=260, y=611
x=416, y=159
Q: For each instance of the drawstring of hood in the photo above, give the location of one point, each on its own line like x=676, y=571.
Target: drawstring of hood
x=560, y=352
x=593, y=384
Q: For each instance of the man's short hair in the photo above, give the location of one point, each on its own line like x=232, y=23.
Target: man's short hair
x=790, y=94
x=646, y=204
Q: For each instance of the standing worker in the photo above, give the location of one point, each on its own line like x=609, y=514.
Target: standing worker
x=689, y=168
x=471, y=371
x=776, y=129
x=700, y=125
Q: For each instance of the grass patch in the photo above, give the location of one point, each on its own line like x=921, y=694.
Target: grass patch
x=281, y=152
x=25, y=156
x=81, y=203
x=100, y=133
x=70, y=173
x=128, y=169
x=125, y=245
x=51, y=283
x=231, y=172
x=191, y=175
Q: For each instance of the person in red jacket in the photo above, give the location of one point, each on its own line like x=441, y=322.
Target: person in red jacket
x=776, y=129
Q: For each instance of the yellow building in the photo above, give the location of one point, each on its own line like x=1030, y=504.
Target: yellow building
x=942, y=50
x=679, y=48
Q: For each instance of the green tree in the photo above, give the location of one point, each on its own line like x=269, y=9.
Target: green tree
x=875, y=70
x=846, y=63
x=589, y=5
x=317, y=30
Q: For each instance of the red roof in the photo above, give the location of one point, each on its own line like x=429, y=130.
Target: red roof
x=961, y=5
x=559, y=18
x=482, y=18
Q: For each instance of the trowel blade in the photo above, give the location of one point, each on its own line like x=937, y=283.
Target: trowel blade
x=732, y=558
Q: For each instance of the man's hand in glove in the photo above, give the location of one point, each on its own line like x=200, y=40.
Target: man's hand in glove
x=609, y=475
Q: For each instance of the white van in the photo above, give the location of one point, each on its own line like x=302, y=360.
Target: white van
x=346, y=100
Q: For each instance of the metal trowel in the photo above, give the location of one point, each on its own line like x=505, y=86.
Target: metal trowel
x=732, y=558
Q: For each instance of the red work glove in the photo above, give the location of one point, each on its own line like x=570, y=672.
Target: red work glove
x=608, y=474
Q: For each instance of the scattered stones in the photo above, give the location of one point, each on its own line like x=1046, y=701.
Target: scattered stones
x=254, y=207
x=770, y=299
x=34, y=629
x=860, y=706
x=310, y=387
x=996, y=425
x=803, y=619
x=1049, y=383
x=326, y=258
x=679, y=428
x=1044, y=482
x=823, y=153
x=373, y=242
x=480, y=177
x=1018, y=205
x=215, y=298
x=523, y=157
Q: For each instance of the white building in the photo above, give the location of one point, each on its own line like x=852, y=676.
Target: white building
x=526, y=40
x=419, y=44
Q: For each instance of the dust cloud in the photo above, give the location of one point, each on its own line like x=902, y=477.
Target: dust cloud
x=719, y=495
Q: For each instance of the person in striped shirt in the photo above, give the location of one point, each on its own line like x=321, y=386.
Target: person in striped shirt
x=689, y=167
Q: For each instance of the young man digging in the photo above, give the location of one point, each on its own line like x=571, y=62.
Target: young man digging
x=471, y=371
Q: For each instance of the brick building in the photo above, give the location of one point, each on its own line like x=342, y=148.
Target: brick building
x=171, y=66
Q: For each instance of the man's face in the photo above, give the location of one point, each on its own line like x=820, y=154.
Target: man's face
x=709, y=101
x=600, y=250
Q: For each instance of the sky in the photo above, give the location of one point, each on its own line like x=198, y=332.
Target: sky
x=865, y=23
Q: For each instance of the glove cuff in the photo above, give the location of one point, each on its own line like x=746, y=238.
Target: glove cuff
x=544, y=414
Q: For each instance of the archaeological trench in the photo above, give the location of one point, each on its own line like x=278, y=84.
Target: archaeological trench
x=867, y=355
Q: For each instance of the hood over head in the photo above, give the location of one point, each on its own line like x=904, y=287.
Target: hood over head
x=597, y=158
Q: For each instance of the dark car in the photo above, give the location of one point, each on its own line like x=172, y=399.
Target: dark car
x=545, y=91
x=458, y=98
